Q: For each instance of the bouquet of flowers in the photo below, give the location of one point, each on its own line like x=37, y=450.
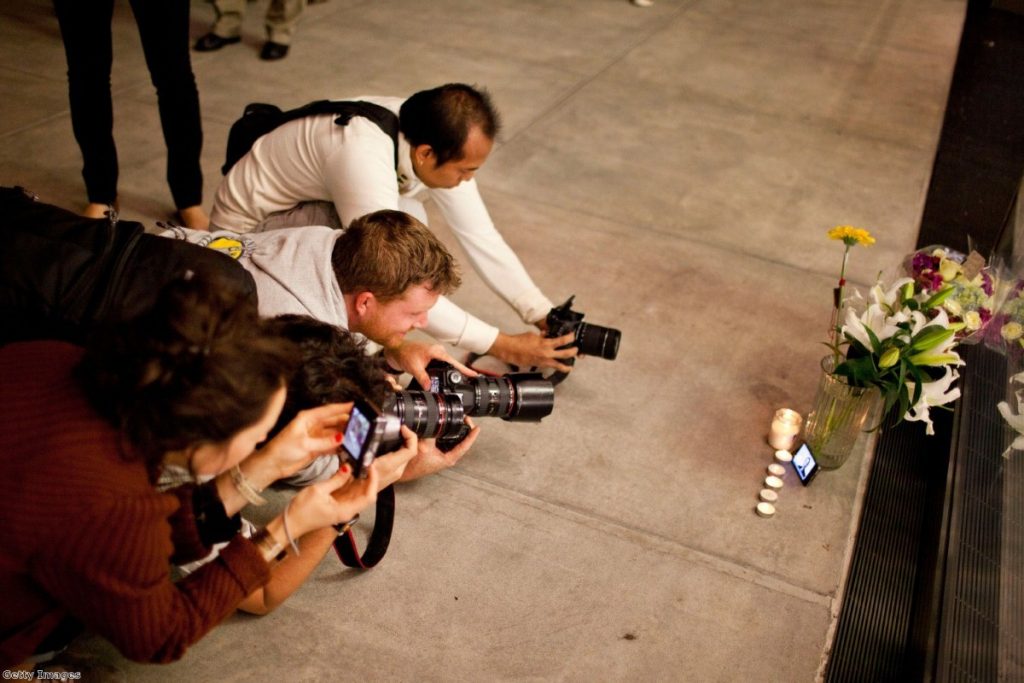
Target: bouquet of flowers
x=900, y=343
x=1009, y=321
x=903, y=343
x=972, y=299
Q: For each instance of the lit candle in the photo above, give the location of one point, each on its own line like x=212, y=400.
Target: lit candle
x=785, y=427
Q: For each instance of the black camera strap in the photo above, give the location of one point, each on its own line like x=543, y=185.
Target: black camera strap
x=347, y=548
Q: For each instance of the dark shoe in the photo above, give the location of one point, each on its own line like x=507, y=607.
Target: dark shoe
x=272, y=51
x=211, y=41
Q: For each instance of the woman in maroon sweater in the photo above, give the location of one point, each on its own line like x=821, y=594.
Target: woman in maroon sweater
x=197, y=382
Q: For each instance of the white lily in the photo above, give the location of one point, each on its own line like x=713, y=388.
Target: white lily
x=1015, y=420
x=934, y=393
x=877, y=315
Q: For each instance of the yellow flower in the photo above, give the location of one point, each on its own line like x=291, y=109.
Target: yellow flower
x=851, y=235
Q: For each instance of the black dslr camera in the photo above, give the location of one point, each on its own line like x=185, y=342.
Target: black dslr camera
x=440, y=410
x=591, y=340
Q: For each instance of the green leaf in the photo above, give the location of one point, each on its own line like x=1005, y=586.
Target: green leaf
x=918, y=381
x=936, y=299
x=876, y=346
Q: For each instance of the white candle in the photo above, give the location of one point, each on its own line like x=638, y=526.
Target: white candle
x=785, y=427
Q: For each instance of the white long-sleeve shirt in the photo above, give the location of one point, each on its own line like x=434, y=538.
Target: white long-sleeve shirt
x=352, y=166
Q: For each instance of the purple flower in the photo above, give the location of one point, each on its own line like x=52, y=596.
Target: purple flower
x=923, y=261
x=985, y=314
x=930, y=280
x=986, y=283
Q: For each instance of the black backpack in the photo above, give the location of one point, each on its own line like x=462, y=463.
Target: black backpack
x=258, y=119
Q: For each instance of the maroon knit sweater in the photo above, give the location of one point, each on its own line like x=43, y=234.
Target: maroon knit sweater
x=82, y=531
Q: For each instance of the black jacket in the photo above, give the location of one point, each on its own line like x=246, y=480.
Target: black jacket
x=62, y=275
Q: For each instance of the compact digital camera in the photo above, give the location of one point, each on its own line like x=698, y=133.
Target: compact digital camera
x=370, y=432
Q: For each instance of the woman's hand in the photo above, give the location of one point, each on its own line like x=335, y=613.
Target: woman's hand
x=391, y=466
x=312, y=433
x=333, y=501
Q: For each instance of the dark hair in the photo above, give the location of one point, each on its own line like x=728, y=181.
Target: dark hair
x=386, y=252
x=332, y=367
x=442, y=118
x=198, y=367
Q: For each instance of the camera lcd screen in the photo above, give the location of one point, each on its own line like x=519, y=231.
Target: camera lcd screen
x=356, y=433
x=804, y=464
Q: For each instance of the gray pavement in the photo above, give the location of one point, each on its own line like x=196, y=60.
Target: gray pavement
x=676, y=168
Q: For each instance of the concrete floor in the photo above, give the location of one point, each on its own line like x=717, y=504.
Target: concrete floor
x=676, y=168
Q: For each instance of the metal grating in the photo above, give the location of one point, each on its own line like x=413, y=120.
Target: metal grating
x=969, y=640
x=876, y=619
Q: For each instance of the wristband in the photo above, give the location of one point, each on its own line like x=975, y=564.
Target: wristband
x=247, y=490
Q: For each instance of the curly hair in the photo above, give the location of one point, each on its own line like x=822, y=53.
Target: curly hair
x=332, y=367
x=198, y=367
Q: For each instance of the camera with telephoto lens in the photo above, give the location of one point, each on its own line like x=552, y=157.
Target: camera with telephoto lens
x=440, y=410
x=591, y=340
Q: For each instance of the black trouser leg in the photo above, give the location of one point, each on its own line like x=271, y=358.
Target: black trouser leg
x=163, y=27
x=85, y=29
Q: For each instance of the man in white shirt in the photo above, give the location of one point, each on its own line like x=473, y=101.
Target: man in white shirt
x=312, y=171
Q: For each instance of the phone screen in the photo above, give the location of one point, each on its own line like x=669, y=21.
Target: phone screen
x=356, y=433
x=804, y=464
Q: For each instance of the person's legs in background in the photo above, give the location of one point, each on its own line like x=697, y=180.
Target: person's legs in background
x=227, y=29
x=282, y=16
x=163, y=27
x=85, y=30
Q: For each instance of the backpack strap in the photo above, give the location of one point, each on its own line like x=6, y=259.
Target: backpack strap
x=258, y=119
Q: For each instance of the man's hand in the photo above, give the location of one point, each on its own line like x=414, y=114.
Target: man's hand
x=413, y=357
x=529, y=349
x=429, y=459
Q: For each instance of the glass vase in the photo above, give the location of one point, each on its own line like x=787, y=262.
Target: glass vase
x=838, y=416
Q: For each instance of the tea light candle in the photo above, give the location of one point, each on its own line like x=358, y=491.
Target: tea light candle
x=783, y=457
x=776, y=469
x=785, y=427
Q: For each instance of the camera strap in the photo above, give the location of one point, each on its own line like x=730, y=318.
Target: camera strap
x=347, y=548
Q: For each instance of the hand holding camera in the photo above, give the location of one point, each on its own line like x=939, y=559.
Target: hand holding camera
x=530, y=349
x=333, y=501
x=431, y=459
x=414, y=357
